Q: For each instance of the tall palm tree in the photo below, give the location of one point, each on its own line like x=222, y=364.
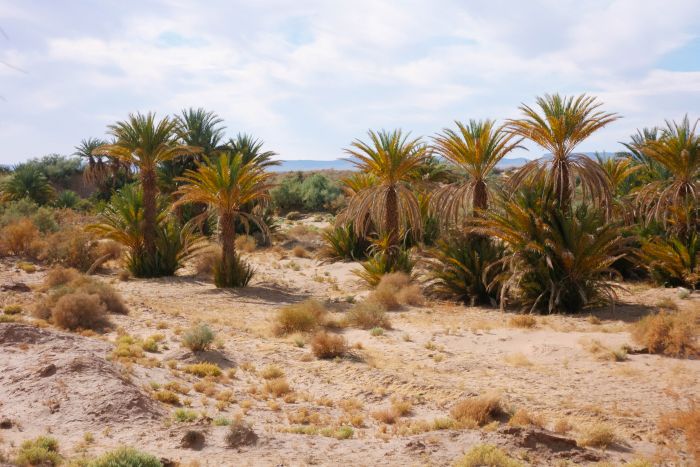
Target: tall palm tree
x=391, y=158
x=474, y=149
x=251, y=149
x=227, y=185
x=144, y=143
x=106, y=173
x=618, y=170
x=678, y=152
x=561, y=125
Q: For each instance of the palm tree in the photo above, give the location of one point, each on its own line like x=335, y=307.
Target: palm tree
x=251, y=149
x=391, y=158
x=474, y=150
x=227, y=185
x=564, y=122
x=27, y=181
x=144, y=143
x=96, y=165
x=618, y=170
x=677, y=151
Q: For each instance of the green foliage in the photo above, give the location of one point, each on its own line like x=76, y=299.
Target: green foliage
x=39, y=451
x=43, y=217
x=198, y=338
x=28, y=181
x=469, y=268
x=379, y=264
x=67, y=199
x=343, y=244
x=488, y=456
x=299, y=192
x=122, y=221
x=239, y=274
x=674, y=261
x=56, y=168
x=125, y=457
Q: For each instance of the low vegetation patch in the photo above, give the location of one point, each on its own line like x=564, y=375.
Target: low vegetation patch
x=599, y=435
x=300, y=317
x=39, y=451
x=478, y=410
x=327, y=345
x=522, y=321
x=395, y=289
x=126, y=457
x=367, y=315
x=488, y=456
x=198, y=338
x=673, y=334
x=80, y=311
x=687, y=424
x=203, y=369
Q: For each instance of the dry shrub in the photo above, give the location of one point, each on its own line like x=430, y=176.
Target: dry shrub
x=411, y=295
x=203, y=369
x=72, y=247
x=108, y=295
x=395, y=289
x=198, y=338
x=80, y=311
x=300, y=252
x=524, y=418
x=522, y=321
x=59, y=275
x=666, y=333
x=401, y=407
x=300, y=317
x=599, y=435
x=562, y=426
x=109, y=248
x=277, y=387
x=19, y=238
x=479, y=410
x=686, y=422
x=240, y=433
x=326, y=345
x=167, y=397
x=245, y=243
x=487, y=455
x=206, y=259
x=367, y=315
x=124, y=275
x=271, y=372
x=387, y=416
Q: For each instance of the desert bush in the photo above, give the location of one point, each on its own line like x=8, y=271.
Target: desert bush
x=598, y=435
x=479, y=410
x=672, y=334
x=198, y=338
x=67, y=199
x=687, y=423
x=19, y=238
x=326, y=345
x=203, y=369
x=277, y=387
x=80, y=311
x=271, y=372
x=674, y=261
x=522, y=417
x=245, y=243
x=486, y=455
x=41, y=451
x=184, y=416
x=522, y=321
x=70, y=247
x=63, y=281
x=300, y=192
x=59, y=275
x=300, y=252
x=206, y=259
x=395, y=289
x=343, y=244
x=367, y=315
x=12, y=309
x=126, y=457
x=378, y=265
x=300, y=317
x=467, y=267
x=240, y=274
x=240, y=433
x=167, y=397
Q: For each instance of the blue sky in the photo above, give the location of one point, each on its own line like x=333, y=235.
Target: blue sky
x=309, y=76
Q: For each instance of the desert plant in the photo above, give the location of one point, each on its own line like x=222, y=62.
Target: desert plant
x=39, y=451
x=687, y=422
x=479, y=410
x=203, y=369
x=486, y=455
x=367, y=315
x=562, y=124
x=672, y=334
x=19, y=238
x=673, y=261
x=198, y=338
x=326, y=345
x=342, y=243
x=80, y=311
x=598, y=435
x=226, y=186
x=467, y=267
x=300, y=317
x=390, y=204
x=384, y=258
x=27, y=181
x=126, y=457
x=474, y=150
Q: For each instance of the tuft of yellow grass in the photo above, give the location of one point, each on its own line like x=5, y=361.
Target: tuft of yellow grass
x=599, y=435
x=203, y=369
x=479, y=410
x=518, y=359
x=277, y=387
x=522, y=321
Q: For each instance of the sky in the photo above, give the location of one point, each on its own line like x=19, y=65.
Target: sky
x=307, y=77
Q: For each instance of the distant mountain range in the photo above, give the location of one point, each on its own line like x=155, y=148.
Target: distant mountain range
x=305, y=165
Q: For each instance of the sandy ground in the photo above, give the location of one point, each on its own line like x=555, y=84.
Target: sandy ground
x=434, y=356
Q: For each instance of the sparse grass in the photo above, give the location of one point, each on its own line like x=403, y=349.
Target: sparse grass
x=376, y=332
x=184, y=416
x=300, y=252
x=221, y=421
x=271, y=372
x=522, y=417
x=486, y=456
x=518, y=359
x=395, y=289
x=687, y=423
x=245, y=243
x=198, y=338
x=479, y=410
x=401, y=407
x=300, y=317
x=126, y=457
x=277, y=387
x=602, y=352
x=12, y=309
x=367, y=315
x=522, y=321
x=327, y=345
x=562, y=426
x=387, y=416
x=599, y=435
x=167, y=397
x=673, y=334
x=41, y=451
x=667, y=303
x=203, y=369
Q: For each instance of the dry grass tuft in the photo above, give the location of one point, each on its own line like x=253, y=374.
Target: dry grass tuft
x=19, y=238
x=59, y=275
x=167, y=397
x=387, y=416
x=198, y=338
x=203, y=369
x=524, y=418
x=271, y=372
x=522, y=321
x=673, y=334
x=395, y=289
x=687, y=423
x=517, y=359
x=479, y=410
x=300, y=252
x=245, y=243
x=327, y=345
x=277, y=387
x=599, y=435
x=486, y=455
x=80, y=311
x=562, y=426
x=603, y=353
x=367, y=315
x=206, y=260
x=300, y=317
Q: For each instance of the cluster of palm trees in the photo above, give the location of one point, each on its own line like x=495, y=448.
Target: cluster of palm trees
x=550, y=235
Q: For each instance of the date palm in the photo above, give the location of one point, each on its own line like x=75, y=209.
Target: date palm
x=252, y=151
x=678, y=152
x=227, y=185
x=27, y=181
x=473, y=149
x=561, y=124
x=390, y=203
x=144, y=143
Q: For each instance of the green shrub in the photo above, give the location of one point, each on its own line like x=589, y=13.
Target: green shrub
x=487, y=456
x=378, y=264
x=239, y=276
x=198, y=338
x=28, y=182
x=42, y=451
x=126, y=457
x=67, y=199
x=674, y=261
x=300, y=192
x=343, y=244
x=467, y=267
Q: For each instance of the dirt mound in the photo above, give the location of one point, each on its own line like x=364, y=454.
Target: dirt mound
x=52, y=379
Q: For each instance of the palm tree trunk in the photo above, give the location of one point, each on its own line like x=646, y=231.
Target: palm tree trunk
x=148, y=181
x=228, y=248
x=562, y=184
x=392, y=226
x=481, y=197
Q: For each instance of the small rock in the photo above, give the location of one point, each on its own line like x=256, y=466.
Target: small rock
x=48, y=370
x=6, y=423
